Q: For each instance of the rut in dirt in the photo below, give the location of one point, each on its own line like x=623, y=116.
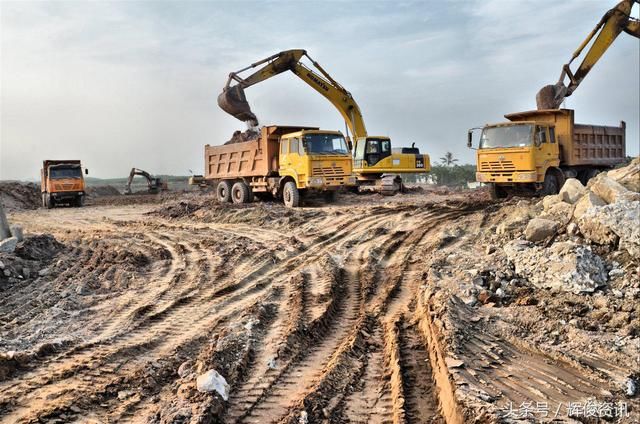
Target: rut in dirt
x=326, y=336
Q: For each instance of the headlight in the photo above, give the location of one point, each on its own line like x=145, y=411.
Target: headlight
x=316, y=181
x=352, y=180
x=480, y=177
x=527, y=176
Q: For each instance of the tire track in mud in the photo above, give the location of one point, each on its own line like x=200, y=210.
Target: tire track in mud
x=279, y=388
x=75, y=363
x=275, y=398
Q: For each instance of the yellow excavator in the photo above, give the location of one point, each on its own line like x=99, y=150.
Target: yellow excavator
x=613, y=22
x=376, y=164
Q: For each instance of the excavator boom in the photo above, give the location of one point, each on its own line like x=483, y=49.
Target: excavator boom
x=375, y=163
x=615, y=21
x=233, y=100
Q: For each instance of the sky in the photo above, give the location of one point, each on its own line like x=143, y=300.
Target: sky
x=134, y=83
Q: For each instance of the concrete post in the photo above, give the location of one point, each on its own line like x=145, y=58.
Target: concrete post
x=5, y=231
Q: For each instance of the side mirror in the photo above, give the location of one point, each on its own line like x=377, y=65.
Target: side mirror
x=470, y=138
x=537, y=142
x=86, y=171
x=350, y=144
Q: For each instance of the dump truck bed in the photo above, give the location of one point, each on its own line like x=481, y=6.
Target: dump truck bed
x=580, y=144
x=47, y=163
x=253, y=158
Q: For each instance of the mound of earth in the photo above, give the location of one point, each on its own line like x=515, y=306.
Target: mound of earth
x=16, y=195
x=107, y=190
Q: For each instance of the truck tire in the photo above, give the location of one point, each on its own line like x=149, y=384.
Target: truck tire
x=330, y=196
x=291, y=195
x=223, y=191
x=550, y=185
x=497, y=192
x=240, y=193
x=44, y=200
x=49, y=202
x=79, y=201
x=589, y=174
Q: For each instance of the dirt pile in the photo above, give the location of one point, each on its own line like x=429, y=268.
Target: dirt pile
x=242, y=136
x=534, y=290
x=108, y=190
x=206, y=208
x=16, y=195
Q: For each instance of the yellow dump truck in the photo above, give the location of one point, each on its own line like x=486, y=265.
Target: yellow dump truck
x=62, y=182
x=282, y=161
x=537, y=150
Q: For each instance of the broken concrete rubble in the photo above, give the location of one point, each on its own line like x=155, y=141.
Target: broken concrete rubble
x=540, y=229
x=589, y=200
x=8, y=245
x=572, y=190
x=628, y=176
x=609, y=189
x=610, y=223
x=211, y=381
x=565, y=266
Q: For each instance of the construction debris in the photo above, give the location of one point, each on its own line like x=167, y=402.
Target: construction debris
x=455, y=305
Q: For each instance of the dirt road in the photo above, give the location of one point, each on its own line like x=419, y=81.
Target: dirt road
x=311, y=315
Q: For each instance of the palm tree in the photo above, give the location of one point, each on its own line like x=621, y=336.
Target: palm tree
x=448, y=159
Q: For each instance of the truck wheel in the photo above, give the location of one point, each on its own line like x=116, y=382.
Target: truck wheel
x=330, y=196
x=497, y=192
x=50, y=203
x=588, y=174
x=550, y=185
x=240, y=193
x=223, y=190
x=80, y=201
x=291, y=195
x=44, y=200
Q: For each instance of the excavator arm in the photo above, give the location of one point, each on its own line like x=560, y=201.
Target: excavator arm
x=153, y=183
x=615, y=21
x=233, y=101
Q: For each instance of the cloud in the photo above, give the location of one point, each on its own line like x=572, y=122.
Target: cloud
x=122, y=84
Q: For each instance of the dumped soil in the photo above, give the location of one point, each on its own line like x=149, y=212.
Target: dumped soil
x=107, y=190
x=242, y=136
x=372, y=309
x=16, y=195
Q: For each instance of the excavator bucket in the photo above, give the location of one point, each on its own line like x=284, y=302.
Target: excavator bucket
x=233, y=101
x=551, y=96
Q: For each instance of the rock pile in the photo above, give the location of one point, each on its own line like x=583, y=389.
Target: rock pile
x=565, y=234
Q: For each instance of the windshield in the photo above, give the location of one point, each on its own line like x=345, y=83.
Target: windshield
x=325, y=144
x=65, y=172
x=509, y=136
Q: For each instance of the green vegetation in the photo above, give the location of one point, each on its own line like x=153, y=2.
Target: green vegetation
x=453, y=176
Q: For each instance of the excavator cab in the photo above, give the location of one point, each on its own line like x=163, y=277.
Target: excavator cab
x=373, y=150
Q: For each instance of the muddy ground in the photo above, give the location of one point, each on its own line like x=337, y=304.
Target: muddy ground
x=373, y=309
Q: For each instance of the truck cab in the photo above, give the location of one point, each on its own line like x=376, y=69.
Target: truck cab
x=537, y=150
x=516, y=152
x=62, y=182
x=316, y=159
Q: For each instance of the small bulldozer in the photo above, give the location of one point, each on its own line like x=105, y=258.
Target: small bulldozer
x=154, y=184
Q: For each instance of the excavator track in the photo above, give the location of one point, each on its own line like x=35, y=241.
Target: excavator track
x=390, y=185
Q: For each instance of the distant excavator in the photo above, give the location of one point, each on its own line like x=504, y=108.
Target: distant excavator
x=154, y=184
x=613, y=22
x=375, y=164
